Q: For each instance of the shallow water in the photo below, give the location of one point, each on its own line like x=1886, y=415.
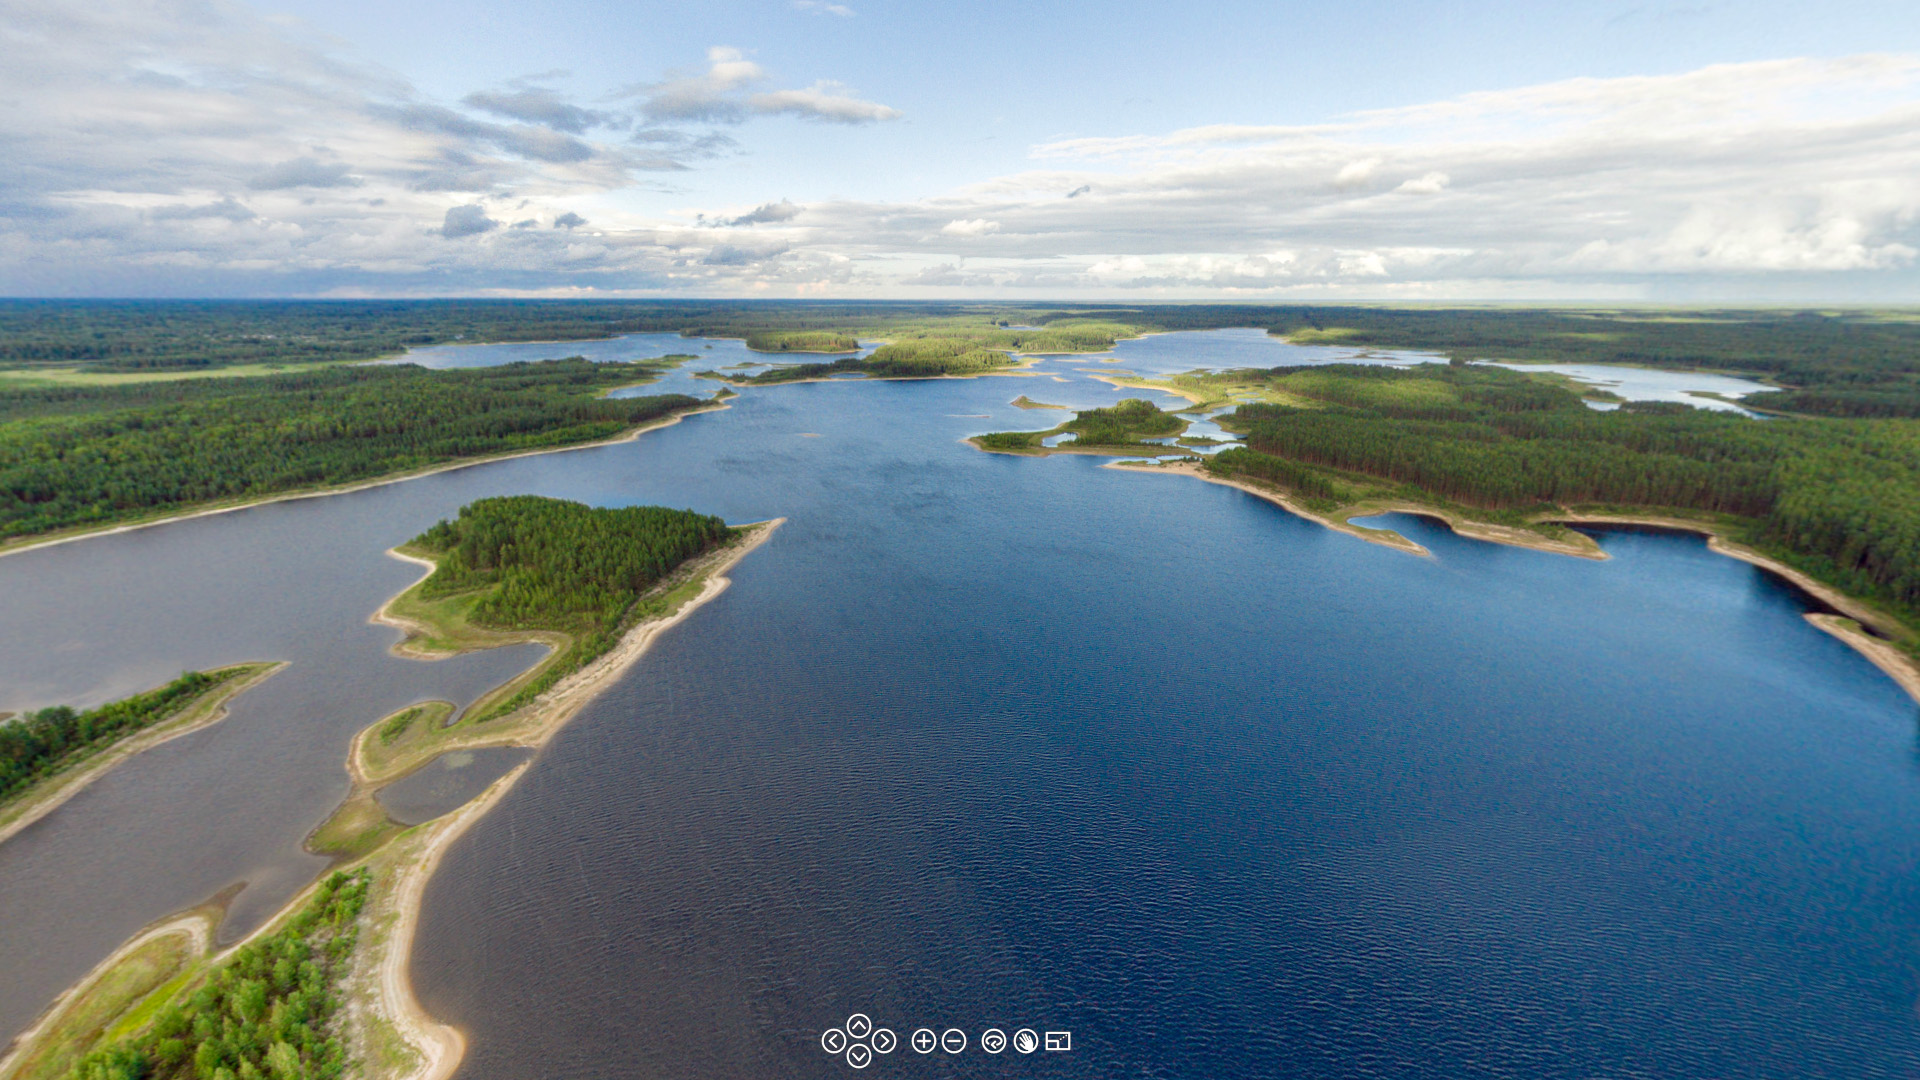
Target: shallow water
x=1647, y=384
x=448, y=782
x=983, y=740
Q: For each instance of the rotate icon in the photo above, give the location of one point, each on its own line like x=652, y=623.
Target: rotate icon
x=993, y=1040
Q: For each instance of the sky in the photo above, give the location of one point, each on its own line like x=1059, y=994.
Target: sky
x=1762, y=152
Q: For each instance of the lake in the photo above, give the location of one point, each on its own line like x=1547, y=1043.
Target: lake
x=986, y=741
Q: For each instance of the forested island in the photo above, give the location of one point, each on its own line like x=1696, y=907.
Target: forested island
x=76, y=457
x=525, y=563
x=925, y=349
x=324, y=990
x=1126, y=424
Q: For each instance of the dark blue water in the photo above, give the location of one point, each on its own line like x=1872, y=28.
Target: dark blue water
x=984, y=741
x=990, y=741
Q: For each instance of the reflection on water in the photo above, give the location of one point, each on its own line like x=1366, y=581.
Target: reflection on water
x=981, y=740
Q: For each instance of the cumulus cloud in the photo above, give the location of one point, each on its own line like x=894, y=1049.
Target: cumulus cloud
x=969, y=227
x=467, y=221
x=827, y=100
x=766, y=214
x=720, y=95
x=742, y=254
x=1430, y=184
x=192, y=146
x=188, y=146
x=1739, y=174
x=709, y=96
x=538, y=105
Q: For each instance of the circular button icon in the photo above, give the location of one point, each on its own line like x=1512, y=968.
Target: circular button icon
x=884, y=1041
x=993, y=1040
x=924, y=1041
x=859, y=1056
x=1026, y=1041
x=833, y=1040
x=953, y=1040
x=858, y=1026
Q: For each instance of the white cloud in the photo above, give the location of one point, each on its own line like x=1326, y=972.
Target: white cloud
x=820, y=7
x=1740, y=174
x=191, y=146
x=187, y=146
x=718, y=95
x=1430, y=184
x=826, y=100
x=467, y=221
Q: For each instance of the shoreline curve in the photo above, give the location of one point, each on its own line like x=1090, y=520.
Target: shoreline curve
x=1875, y=642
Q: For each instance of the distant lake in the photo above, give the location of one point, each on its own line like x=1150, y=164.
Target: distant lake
x=985, y=741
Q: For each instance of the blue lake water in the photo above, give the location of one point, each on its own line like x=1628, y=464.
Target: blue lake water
x=984, y=741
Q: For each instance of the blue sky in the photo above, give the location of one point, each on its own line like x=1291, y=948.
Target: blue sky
x=1608, y=151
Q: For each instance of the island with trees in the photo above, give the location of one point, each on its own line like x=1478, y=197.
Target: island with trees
x=323, y=989
x=1129, y=424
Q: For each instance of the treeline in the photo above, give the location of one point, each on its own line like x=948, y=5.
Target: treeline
x=268, y=1013
x=37, y=744
x=915, y=358
x=221, y=439
x=185, y=335
x=1840, y=498
x=825, y=341
x=1307, y=482
x=1125, y=423
x=1848, y=363
x=548, y=564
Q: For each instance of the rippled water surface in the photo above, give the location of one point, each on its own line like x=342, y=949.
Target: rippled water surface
x=981, y=741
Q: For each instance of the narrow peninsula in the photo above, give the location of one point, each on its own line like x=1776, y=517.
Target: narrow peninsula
x=50, y=755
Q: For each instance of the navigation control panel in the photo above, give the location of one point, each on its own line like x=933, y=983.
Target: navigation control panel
x=862, y=1042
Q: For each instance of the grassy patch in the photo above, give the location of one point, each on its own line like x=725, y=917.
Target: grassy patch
x=119, y=992
x=378, y=756
x=357, y=829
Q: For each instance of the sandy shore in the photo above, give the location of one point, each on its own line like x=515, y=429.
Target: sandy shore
x=390, y=997
x=379, y=995
x=68, y=536
x=1383, y=537
x=57, y=789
